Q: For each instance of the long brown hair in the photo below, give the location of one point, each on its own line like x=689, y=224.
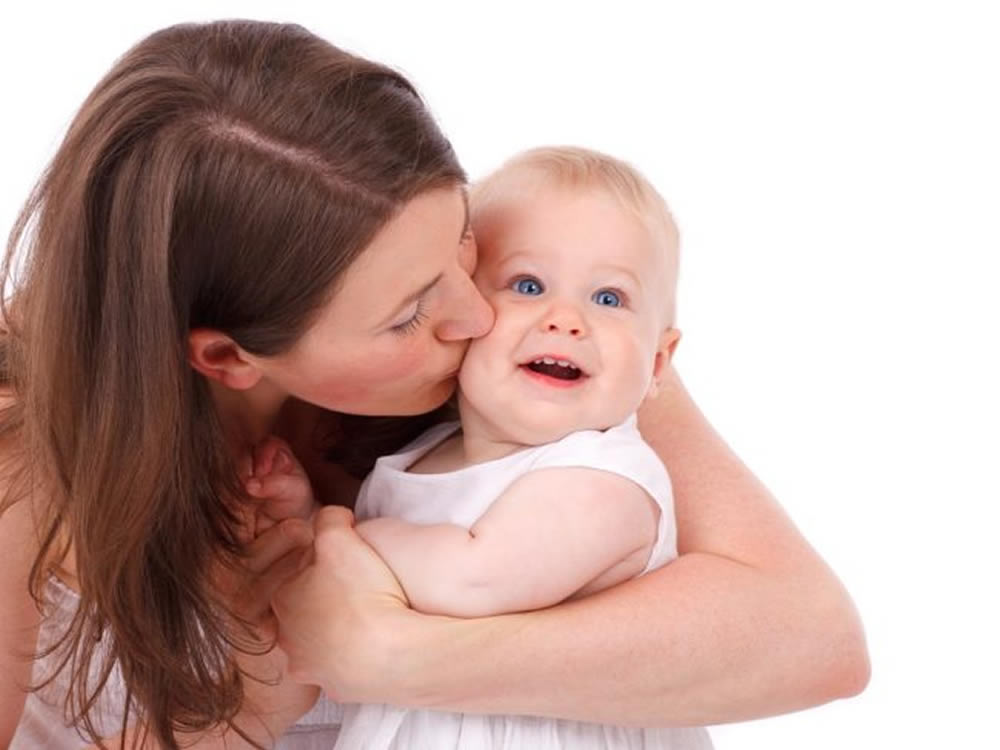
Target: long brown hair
x=224, y=176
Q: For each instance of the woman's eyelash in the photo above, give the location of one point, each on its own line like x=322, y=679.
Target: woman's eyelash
x=409, y=326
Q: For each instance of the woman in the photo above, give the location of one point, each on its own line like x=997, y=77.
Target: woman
x=248, y=230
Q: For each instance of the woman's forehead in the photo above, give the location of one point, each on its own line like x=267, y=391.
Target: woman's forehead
x=407, y=254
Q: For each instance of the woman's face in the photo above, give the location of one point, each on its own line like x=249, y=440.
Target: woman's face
x=391, y=339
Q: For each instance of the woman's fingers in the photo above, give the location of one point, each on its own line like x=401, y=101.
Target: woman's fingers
x=275, y=543
x=333, y=611
x=267, y=584
x=279, y=497
x=333, y=519
x=270, y=559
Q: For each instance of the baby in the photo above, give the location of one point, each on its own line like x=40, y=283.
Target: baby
x=545, y=489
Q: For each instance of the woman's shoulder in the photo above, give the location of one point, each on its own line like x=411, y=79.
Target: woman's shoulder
x=12, y=457
x=23, y=511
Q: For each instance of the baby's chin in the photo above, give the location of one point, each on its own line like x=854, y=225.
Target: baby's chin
x=533, y=430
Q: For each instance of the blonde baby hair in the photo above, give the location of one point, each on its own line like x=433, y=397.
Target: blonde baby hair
x=575, y=167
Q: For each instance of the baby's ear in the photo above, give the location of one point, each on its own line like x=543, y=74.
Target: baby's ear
x=216, y=356
x=669, y=340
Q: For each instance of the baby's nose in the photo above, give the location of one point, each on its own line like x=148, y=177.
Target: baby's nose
x=565, y=319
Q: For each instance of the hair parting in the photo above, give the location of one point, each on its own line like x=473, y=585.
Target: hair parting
x=222, y=176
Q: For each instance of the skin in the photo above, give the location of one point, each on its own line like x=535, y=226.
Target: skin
x=573, y=275
x=748, y=622
x=18, y=617
x=390, y=341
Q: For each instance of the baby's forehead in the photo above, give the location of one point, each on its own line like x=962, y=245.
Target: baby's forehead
x=518, y=186
x=531, y=210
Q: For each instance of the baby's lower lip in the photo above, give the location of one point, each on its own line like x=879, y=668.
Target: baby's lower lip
x=551, y=381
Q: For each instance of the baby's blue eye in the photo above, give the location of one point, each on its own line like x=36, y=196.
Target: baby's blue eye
x=608, y=298
x=528, y=285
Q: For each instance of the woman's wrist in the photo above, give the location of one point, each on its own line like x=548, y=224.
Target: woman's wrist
x=384, y=661
x=404, y=658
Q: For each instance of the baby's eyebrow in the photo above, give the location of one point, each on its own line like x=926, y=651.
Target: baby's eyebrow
x=628, y=272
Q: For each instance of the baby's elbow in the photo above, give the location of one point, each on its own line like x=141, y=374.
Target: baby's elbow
x=845, y=667
x=851, y=670
x=463, y=596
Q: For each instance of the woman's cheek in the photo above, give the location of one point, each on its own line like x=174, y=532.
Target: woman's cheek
x=371, y=378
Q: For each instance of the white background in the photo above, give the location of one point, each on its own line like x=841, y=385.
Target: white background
x=835, y=170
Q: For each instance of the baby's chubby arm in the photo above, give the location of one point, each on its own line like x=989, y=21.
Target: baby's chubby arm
x=548, y=535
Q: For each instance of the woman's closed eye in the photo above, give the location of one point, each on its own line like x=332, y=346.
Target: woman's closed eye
x=412, y=323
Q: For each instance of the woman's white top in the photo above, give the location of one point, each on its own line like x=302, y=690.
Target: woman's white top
x=43, y=722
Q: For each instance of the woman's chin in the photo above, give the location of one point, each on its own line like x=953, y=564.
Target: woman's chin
x=426, y=400
x=439, y=395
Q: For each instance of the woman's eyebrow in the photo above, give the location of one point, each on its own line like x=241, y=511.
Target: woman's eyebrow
x=411, y=298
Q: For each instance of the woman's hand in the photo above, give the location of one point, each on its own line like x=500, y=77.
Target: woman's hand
x=341, y=614
x=271, y=699
x=272, y=702
x=277, y=537
x=746, y=623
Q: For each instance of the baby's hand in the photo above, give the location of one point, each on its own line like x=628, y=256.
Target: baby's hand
x=278, y=480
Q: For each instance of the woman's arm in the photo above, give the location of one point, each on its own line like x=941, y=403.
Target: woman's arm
x=747, y=623
x=19, y=618
x=270, y=703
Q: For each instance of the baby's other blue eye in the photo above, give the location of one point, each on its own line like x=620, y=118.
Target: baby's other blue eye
x=608, y=298
x=528, y=285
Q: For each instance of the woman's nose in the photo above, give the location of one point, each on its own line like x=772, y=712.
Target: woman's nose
x=470, y=315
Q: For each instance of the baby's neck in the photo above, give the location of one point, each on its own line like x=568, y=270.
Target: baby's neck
x=475, y=443
x=461, y=450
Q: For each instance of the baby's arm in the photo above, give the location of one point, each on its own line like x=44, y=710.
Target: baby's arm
x=747, y=622
x=549, y=535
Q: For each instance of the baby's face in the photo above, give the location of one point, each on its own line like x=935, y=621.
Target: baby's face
x=578, y=285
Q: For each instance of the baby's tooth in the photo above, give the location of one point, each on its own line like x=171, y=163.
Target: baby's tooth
x=548, y=361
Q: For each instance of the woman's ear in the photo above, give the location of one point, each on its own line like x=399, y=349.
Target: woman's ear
x=219, y=358
x=669, y=340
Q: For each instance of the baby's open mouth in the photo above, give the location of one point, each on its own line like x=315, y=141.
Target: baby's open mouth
x=555, y=368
